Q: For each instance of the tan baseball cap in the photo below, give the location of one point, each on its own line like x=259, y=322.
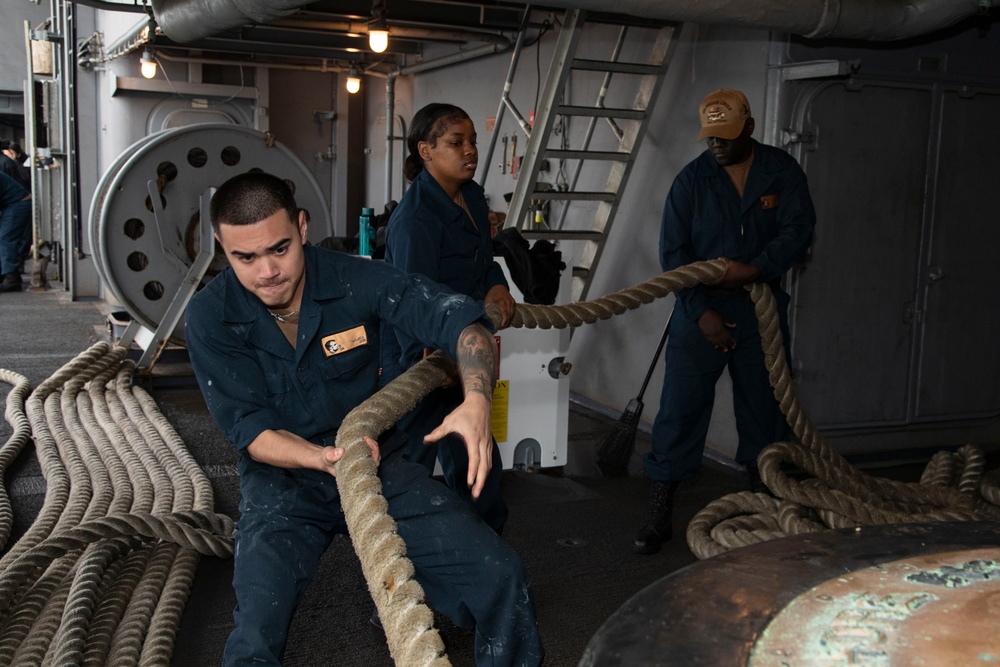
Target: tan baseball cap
x=723, y=114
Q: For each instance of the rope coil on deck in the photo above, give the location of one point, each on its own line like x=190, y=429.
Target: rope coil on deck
x=952, y=487
x=101, y=576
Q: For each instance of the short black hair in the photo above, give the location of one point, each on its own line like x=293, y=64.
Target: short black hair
x=248, y=198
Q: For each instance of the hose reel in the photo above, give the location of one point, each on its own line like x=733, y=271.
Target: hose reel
x=145, y=221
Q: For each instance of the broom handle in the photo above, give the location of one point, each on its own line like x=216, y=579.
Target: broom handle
x=656, y=357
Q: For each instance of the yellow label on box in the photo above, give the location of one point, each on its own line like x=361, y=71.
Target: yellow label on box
x=498, y=413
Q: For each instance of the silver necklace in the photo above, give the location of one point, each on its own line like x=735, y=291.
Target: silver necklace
x=283, y=318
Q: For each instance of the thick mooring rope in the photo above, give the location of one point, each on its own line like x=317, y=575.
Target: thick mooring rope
x=102, y=574
x=952, y=487
x=408, y=623
x=14, y=414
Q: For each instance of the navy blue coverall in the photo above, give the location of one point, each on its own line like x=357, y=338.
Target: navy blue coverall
x=431, y=235
x=254, y=380
x=704, y=218
x=15, y=223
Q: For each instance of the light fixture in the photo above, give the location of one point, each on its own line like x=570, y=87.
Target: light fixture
x=378, y=36
x=378, y=29
x=353, y=80
x=147, y=64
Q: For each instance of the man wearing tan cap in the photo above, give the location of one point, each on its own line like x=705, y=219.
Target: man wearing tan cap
x=748, y=203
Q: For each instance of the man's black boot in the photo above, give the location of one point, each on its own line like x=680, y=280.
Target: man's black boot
x=11, y=282
x=658, y=527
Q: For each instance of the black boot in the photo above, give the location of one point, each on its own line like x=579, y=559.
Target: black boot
x=11, y=282
x=658, y=527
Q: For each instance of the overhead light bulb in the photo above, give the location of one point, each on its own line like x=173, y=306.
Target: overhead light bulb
x=147, y=64
x=378, y=29
x=378, y=36
x=353, y=80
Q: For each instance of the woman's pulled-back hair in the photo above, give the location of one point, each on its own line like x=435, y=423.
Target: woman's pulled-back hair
x=428, y=124
x=248, y=198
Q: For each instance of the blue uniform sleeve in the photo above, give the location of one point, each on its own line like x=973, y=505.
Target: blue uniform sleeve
x=415, y=247
x=10, y=191
x=421, y=309
x=796, y=222
x=675, y=243
x=494, y=277
x=415, y=243
x=229, y=374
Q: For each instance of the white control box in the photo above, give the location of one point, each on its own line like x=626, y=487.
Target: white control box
x=531, y=401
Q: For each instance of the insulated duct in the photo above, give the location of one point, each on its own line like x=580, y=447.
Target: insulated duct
x=189, y=20
x=875, y=20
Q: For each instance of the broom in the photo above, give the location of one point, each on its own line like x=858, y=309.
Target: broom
x=616, y=450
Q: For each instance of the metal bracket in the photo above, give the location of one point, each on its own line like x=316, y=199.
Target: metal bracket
x=793, y=137
x=818, y=69
x=154, y=342
x=46, y=36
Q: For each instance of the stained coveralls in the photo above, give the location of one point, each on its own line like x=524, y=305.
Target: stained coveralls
x=253, y=380
x=431, y=235
x=704, y=218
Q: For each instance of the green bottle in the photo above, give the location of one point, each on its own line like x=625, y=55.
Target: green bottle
x=366, y=232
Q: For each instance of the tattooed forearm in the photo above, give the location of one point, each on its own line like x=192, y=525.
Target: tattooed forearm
x=477, y=360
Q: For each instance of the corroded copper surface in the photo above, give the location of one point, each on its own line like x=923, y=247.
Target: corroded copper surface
x=715, y=612
x=931, y=611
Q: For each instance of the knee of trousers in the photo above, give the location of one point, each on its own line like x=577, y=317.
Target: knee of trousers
x=507, y=573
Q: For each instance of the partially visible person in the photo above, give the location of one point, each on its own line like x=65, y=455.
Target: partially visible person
x=15, y=219
x=442, y=229
x=12, y=163
x=750, y=204
x=284, y=344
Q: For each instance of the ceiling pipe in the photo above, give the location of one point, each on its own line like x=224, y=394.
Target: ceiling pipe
x=876, y=20
x=112, y=6
x=398, y=31
x=188, y=20
x=135, y=37
x=324, y=68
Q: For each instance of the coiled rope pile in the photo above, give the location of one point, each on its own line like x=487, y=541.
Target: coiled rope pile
x=102, y=575
x=952, y=487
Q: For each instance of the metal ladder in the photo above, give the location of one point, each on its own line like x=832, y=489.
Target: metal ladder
x=531, y=196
